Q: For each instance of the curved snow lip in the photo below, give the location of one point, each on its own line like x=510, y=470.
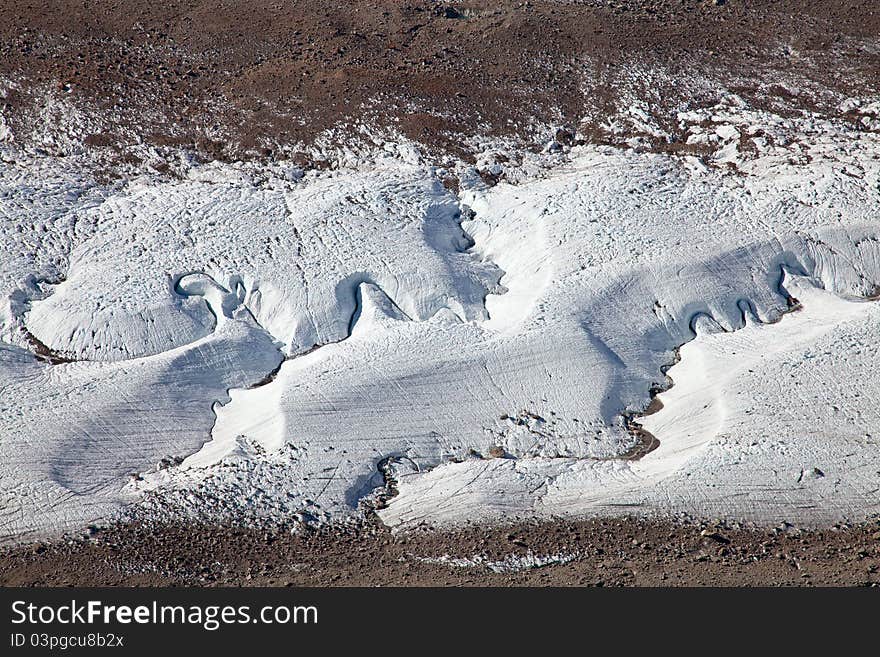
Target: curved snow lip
x=693, y=407
x=699, y=323
x=193, y=287
x=680, y=422
x=185, y=318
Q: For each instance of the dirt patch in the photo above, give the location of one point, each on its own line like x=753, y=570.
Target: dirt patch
x=238, y=80
x=619, y=552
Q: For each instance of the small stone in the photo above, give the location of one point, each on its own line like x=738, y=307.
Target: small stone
x=715, y=536
x=496, y=452
x=813, y=473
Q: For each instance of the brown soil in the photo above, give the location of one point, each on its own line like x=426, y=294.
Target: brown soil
x=622, y=552
x=240, y=79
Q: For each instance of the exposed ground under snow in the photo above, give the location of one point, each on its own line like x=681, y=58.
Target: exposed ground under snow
x=284, y=344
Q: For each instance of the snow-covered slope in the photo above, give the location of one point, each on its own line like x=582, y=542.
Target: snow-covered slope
x=768, y=423
x=484, y=353
x=295, y=256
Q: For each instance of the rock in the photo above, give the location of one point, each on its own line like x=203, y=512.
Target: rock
x=450, y=12
x=565, y=136
x=715, y=536
x=496, y=452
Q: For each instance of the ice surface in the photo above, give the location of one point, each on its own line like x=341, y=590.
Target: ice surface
x=295, y=255
x=294, y=344
x=767, y=423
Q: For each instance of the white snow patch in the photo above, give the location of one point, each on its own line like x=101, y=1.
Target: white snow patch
x=423, y=331
x=513, y=563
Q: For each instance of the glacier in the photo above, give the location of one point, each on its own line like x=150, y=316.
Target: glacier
x=244, y=342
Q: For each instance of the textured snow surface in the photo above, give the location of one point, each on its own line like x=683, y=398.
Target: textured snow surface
x=768, y=423
x=250, y=341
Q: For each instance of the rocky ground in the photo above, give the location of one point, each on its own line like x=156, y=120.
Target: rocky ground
x=621, y=552
x=257, y=79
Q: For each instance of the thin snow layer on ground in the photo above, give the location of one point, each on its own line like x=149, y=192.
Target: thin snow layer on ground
x=328, y=340
x=512, y=563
